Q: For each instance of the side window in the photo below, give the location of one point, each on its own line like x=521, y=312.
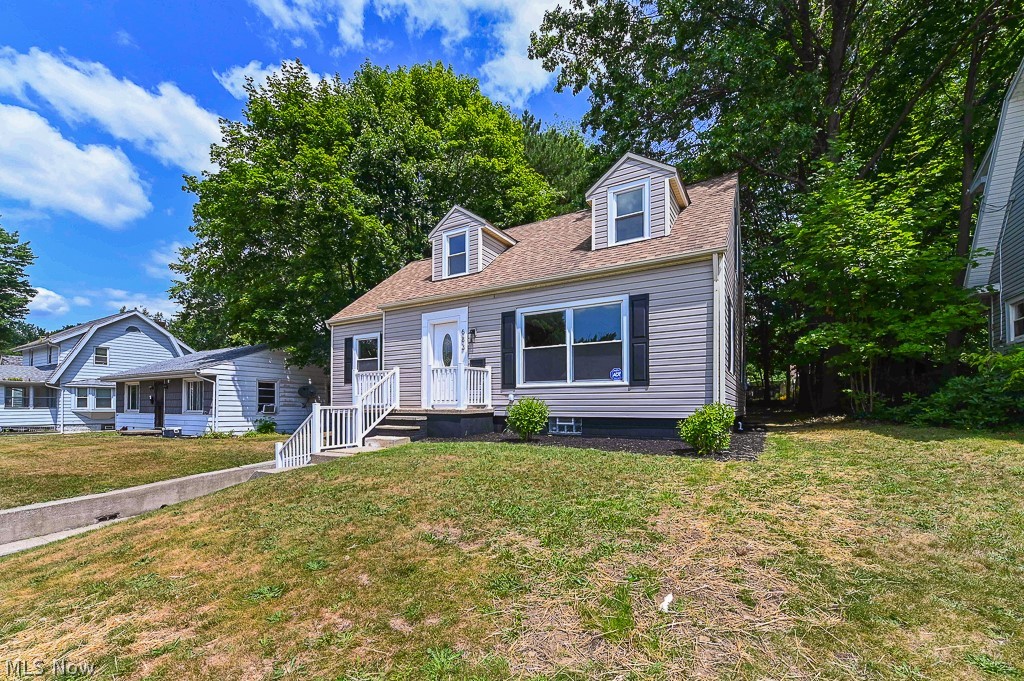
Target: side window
x=131, y=397
x=628, y=210
x=266, y=397
x=101, y=356
x=366, y=353
x=194, y=396
x=81, y=398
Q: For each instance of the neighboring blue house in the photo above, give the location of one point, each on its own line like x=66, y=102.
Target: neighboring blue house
x=59, y=383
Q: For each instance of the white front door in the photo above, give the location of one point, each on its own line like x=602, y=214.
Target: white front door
x=445, y=358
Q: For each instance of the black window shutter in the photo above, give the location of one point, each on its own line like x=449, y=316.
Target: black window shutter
x=508, y=350
x=639, y=341
x=348, y=361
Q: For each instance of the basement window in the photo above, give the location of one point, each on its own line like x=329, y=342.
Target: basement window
x=561, y=425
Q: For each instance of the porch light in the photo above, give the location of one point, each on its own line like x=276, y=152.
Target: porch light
x=472, y=336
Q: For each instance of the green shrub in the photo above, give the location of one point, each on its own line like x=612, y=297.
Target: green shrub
x=528, y=417
x=991, y=398
x=709, y=429
x=264, y=426
x=212, y=434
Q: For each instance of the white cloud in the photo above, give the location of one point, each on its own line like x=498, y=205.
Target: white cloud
x=167, y=123
x=508, y=73
x=47, y=302
x=81, y=301
x=39, y=166
x=125, y=39
x=118, y=298
x=233, y=79
x=160, y=259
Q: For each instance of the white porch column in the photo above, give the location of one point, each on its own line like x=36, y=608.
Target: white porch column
x=318, y=433
x=460, y=386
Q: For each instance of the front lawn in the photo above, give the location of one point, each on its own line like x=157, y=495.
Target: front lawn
x=37, y=468
x=843, y=552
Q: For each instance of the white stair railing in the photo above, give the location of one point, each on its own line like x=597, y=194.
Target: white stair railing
x=478, y=386
x=342, y=426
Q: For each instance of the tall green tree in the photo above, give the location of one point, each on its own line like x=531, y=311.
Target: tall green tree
x=565, y=158
x=15, y=291
x=325, y=189
x=770, y=88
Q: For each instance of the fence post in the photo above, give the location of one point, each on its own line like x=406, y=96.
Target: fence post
x=278, y=446
x=487, y=389
x=315, y=426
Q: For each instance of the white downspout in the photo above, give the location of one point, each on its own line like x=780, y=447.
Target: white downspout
x=213, y=412
x=716, y=317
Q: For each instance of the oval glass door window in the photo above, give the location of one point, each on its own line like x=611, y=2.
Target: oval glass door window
x=446, y=350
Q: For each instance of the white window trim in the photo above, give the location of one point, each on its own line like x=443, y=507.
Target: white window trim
x=94, y=353
x=445, y=237
x=29, y=397
x=113, y=399
x=623, y=302
x=90, y=399
x=277, y=393
x=355, y=350
x=184, y=396
x=127, y=391
x=613, y=239
x=1010, y=318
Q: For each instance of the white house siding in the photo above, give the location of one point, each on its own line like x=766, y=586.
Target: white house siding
x=491, y=247
x=340, y=393
x=236, y=391
x=457, y=220
x=680, y=344
x=992, y=211
x=630, y=171
x=126, y=351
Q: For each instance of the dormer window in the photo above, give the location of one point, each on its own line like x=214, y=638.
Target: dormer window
x=629, y=212
x=455, y=253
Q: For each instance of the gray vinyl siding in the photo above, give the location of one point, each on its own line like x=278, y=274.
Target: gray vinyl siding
x=1005, y=162
x=1010, y=256
x=341, y=394
x=734, y=395
x=631, y=171
x=681, y=299
x=456, y=221
x=491, y=247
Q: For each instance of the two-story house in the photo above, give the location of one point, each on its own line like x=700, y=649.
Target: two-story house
x=59, y=384
x=624, y=318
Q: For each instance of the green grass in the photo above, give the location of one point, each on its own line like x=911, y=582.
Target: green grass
x=845, y=552
x=36, y=468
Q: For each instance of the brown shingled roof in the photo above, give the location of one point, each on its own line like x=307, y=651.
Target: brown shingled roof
x=561, y=246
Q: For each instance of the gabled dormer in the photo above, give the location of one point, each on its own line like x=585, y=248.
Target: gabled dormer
x=637, y=199
x=464, y=243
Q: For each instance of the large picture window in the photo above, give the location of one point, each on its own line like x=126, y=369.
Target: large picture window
x=628, y=211
x=194, y=396
x=576, y=344
x=366, y=353
x=455, y=254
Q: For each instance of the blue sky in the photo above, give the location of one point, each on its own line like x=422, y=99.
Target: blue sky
x=104, y=105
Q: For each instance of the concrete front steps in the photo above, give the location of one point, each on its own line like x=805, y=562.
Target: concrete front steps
x=401, y=424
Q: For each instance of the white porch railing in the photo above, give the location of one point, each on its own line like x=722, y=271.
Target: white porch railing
x=363, y=381
x=478, y=386
x=343, y=426
x=460, y=387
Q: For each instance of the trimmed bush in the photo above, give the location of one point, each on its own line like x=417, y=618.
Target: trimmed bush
x=528, y=417
x=709, y=429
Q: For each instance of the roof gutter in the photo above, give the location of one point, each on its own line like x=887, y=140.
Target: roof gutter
x=640, y=266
